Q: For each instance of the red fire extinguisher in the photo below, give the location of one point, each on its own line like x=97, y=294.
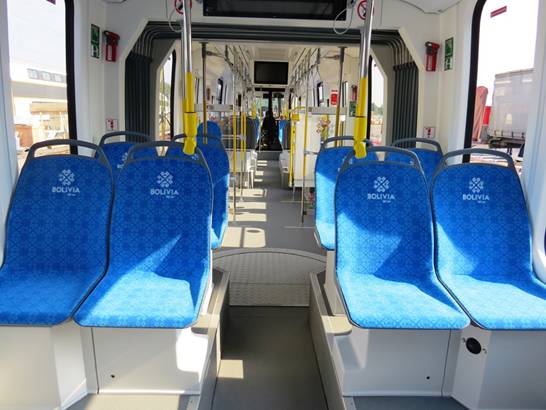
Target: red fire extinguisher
x=111, y=45
x=432, y=55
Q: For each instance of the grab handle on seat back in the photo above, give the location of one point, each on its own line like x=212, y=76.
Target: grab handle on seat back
x=434, y=143
x=139, y=136
x=415, y=160
x=345, y=138
x=73, y=143
x=470, y=151
x=197, y=157
x=209, y=137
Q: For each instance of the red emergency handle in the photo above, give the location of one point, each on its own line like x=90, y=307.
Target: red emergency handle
x=432, y=55
x=111, y=45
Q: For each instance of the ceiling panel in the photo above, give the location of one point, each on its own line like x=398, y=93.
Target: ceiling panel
x=432, y=6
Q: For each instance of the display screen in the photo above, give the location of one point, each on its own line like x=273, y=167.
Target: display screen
x=286, y=9
x=270, y=72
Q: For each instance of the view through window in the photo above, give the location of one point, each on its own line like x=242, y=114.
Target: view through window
x=38, y=72
x=505, y=73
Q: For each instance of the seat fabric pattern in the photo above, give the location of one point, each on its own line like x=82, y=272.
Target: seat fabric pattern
x=160, y=248
x=484, y=246
x=56, y=239
x=384, y=250
x=116, y=153
x=327, y=166
x=213, y=129
x=218, y=163
x=428, y=159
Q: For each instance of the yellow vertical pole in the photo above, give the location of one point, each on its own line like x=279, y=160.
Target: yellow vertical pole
x=204, y=88
x=189, y=114
x=361, y=120
x=305, y=131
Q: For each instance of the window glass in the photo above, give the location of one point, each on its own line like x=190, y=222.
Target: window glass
x=38, y=72
x=505, y=74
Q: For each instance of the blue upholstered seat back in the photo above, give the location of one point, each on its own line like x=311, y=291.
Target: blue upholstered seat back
x=161, y=220
x=218, y=162
x=374, y=235
x=282, y=124
x=116, y=153
x=329, y=161
x=481, y=221
x=428, y=159
x=213, y=129
x=59, y=215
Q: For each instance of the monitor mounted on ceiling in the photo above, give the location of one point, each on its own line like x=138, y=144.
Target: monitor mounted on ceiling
x=280, y=9
x=271, y=73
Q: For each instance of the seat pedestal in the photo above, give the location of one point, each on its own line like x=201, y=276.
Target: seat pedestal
x=43, y=367
x=165, y=361
x=377, y=362
x=507, y=372
x=330, y=285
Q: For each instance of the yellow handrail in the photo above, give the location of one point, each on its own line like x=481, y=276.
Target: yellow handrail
x=190, y=116
x=361, y=120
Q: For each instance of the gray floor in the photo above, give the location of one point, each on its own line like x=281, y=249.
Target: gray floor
x=268, y=217
x=268, y=362
x=406, y=403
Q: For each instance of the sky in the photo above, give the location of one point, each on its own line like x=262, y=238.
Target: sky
x=36, y=34
x=507, y=41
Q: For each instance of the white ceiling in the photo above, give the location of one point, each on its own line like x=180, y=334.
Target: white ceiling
x=432, y=6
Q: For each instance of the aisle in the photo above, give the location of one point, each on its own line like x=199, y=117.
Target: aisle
x=268, y=217
x=268, y=362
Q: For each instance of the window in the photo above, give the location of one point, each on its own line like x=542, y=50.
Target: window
x=165, y=95
x=498, y=103
x=377, y=125
x=37, y=39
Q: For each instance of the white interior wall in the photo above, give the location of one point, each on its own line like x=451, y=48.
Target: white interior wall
x=8, y=154
x=90, y=72
x=384, y=58
x=452, y=96
x=534, y=164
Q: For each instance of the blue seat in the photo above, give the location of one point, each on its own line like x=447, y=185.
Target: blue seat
x=484, y=244
x=213, y=130
x=384, y=248
x=429, y=158
x=218, y=162
x=160, y=259
x=282, y=124
x=56, y=236
x=116, y=152
x=329, y=161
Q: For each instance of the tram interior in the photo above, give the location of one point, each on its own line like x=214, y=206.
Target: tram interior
x=273, y=205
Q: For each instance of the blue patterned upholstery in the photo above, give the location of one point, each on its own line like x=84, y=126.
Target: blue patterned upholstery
x=428, y=159
x=218, y=162
x=116, y=153
x=484, y=246
x=384, y=259
x=329, y=161
x=56, y=239
x=282, y=124
x=213, y=129
x=160, y=256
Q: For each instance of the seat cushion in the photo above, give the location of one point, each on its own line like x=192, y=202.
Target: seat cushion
x=397, y=303
x=43, y=298
x=384, y=250
x=503, y=304
x=141, y=299
x=116, y=153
